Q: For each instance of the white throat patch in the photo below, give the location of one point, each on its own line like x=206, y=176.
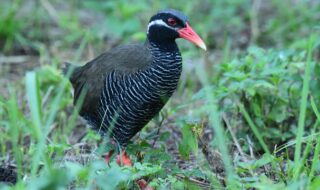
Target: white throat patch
x=158, y=22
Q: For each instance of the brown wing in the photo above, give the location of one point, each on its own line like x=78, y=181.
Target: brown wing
x=90, y=78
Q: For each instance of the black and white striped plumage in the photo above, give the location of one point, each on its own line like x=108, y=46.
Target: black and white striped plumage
x=130, y=101
x=127, y=86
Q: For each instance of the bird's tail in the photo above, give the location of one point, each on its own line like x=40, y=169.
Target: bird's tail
x=68, y=69
x=8, y=175
x=72, y=72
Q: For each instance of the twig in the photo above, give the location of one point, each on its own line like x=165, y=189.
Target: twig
x=159, y=127
x=193, y=180
x=47, y=95
x=51, y=10
x=235, y=140
x=14, y=59
x=250, y=147
x=254, y=20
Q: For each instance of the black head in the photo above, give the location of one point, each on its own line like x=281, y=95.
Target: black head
x=168, y=25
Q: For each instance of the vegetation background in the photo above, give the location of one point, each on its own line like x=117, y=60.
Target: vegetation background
x=245, y=115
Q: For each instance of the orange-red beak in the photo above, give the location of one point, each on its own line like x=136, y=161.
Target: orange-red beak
x=188, y=34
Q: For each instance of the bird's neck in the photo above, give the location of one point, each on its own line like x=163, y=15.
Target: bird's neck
x=163, y=46
x=166, y=66
x=165, y=52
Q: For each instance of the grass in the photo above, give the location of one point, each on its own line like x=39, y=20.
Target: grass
x=245, y=115
x=303, y=108
x=217, y=128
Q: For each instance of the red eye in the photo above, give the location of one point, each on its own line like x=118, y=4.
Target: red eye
x=172, y=21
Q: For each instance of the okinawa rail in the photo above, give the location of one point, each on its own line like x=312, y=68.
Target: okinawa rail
x=124, y=88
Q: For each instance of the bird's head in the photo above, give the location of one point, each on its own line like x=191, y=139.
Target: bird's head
x=168, y=25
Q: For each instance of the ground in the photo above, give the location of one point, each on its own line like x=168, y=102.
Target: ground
x=245, y=114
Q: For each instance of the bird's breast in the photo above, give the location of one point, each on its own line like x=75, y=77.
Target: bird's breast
x=130, y=101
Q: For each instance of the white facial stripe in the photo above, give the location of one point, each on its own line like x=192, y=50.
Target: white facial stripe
x=158, y=22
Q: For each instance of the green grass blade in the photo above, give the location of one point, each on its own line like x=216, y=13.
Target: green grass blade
x=254, y=128
x=15, y=122
x=315, y=159
x=315, y=109
x=303, y=108
x=34, y=102
x=214, y=120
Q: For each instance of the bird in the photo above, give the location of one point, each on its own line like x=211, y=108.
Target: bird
x=8, y=175
x=125, y=87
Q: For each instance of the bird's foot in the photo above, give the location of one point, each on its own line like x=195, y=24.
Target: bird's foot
x=107, y=157
x=123, y=159
x=143, y=185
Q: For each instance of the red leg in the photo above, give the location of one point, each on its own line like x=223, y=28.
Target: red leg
x=125, y=160
x=108, y=156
